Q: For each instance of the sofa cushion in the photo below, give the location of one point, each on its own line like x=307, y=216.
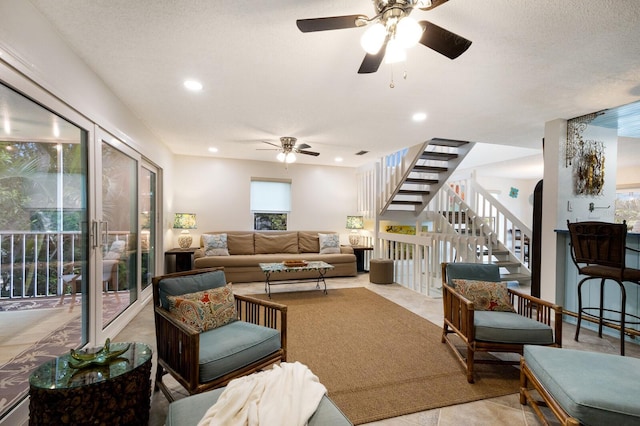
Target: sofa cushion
x=509, y=327
x=204, y=310
x=595, y=388
x=329, y=243
x=240, y=243
x=234, y=346
x=276, y=243
x=215, y=244
x=485, y=295
x=176, y=286
x=308, y=242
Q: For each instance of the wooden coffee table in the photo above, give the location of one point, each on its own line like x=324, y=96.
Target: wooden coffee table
x=271, y=268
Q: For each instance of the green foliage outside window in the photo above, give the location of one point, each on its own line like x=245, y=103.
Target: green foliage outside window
x=270, y=221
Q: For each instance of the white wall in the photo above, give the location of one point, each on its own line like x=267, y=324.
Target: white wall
x=580, y=203
x=217, y=190
x=520, y=206
x=559, y=192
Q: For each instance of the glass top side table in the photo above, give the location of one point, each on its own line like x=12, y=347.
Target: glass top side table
x=114, y=394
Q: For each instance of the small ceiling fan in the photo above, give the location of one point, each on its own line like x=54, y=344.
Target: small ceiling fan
x=288, y=149
x=391, y=31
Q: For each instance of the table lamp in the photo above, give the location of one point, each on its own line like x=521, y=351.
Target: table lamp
x=184, y=221
x=355, y=223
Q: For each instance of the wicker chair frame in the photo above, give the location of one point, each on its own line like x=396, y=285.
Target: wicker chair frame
x=178, y=345
x=459, y=315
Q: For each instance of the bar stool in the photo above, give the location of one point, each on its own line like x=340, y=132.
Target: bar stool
x=598, y=250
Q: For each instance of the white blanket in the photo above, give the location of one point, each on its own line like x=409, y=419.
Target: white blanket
x=286, y=395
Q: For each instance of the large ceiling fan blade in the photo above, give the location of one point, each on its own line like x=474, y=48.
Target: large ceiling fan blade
x=371, y=63
x=329, y=23
x=269, y=143
x=434, y=4
x=302, y=146
x=301, y=151
x=443, y=41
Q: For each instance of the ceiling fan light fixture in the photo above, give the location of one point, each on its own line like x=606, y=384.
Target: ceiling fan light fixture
x=408, y=32
x=286, y=157
x=373, y=39
x=395, y=53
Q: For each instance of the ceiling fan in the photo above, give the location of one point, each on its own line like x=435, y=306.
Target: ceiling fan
x=288, y=149
x=391, y=31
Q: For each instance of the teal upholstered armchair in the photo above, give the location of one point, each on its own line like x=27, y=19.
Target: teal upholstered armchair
x=486, y=316
x=205, y=346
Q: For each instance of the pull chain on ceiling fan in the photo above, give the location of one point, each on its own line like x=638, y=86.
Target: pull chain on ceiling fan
x=392, y=31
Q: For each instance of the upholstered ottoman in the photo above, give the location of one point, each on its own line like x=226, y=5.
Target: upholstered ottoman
x=381, y=271
x=188, y=411
x=581, y=387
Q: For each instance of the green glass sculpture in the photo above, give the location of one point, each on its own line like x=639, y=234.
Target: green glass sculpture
x=103, y=357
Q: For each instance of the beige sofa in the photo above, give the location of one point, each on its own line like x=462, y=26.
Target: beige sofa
x=249, y=248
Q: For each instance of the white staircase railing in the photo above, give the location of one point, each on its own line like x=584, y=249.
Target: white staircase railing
x=507, y=228
x=417, y=258
x=393, y=172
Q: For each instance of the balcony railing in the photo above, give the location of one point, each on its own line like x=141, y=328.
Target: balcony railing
x=32, y=264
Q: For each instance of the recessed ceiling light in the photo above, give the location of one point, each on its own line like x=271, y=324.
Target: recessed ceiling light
x=193, y=85
x=212, y=149
x=338, y=159
x=419, y=116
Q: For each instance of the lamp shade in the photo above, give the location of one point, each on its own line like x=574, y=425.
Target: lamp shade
x=286, y=157
x=373, y=39
x=408, y=32
x=395, y=53
x=355, y=222
x=184, y=221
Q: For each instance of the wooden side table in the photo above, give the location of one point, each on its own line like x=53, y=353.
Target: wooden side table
x=359, y=252
x=115, y=394
x=183, y=259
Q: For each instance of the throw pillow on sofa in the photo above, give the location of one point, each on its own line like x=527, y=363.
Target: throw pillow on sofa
x=205, y=310
x=215, y=244
x=329, y=243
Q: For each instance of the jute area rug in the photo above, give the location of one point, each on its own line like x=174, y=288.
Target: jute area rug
x=379, y=360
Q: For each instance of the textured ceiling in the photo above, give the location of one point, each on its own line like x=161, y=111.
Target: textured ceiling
x=530, y=62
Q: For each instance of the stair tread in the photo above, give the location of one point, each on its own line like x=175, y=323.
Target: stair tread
x=514, y=277
x=421, y=181
x=414, y=191
x=442, y=156
x=407, y=202
x=429, y=169
x=505, y=263
x=447, y=142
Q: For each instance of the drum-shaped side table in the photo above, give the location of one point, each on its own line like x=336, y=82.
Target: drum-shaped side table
x=114, y=394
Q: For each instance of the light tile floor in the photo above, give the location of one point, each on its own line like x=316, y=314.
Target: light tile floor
x=496, y=411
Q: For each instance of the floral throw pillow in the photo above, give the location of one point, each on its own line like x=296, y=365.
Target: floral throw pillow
x=215, y=244
x=205, y=310
x=329, y=243
x=485, y=295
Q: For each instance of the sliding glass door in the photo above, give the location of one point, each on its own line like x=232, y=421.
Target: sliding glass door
x=44, y=238
x=118, y=249
x=148, y=223
x=79, y=231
